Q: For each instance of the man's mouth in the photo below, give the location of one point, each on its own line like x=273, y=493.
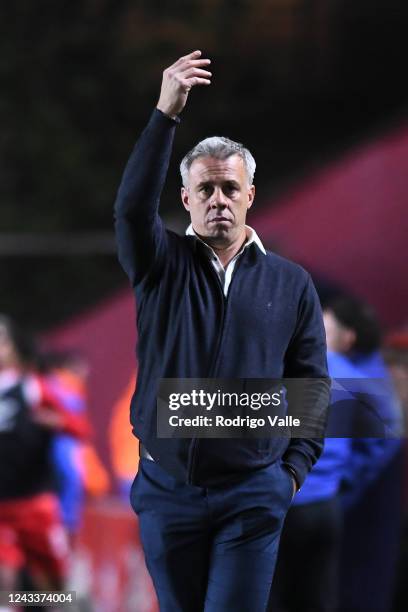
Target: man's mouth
x=219, y=219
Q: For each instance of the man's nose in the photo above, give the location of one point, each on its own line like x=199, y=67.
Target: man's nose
x=218, y=199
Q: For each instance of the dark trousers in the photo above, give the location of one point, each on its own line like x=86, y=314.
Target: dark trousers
x=307, y=571
x=211, y=549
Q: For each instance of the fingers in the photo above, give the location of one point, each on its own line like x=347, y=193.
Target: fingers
x=189, y=83
x=193, y=64
x=192, y=59
x=189, y=71
x=194, y=76
x=196, y=72
x=193, y=55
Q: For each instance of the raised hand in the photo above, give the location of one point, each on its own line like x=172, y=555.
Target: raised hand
x=178, y=79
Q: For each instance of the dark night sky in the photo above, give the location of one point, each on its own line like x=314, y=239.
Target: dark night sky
x=298, y=82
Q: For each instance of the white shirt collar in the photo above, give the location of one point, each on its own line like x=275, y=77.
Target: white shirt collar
x=251, y=235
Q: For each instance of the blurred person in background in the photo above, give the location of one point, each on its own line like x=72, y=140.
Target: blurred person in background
x=32, y=534
x=77, y=467
x=354, y=337
x=310, y=546
x=396, y=357
x=395, y=353
x=371, y=488
x=211, y=510
x=124, y=447
x=311, y=543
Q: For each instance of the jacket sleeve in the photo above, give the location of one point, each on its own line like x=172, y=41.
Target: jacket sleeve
x=140, y=233
x=309, y=395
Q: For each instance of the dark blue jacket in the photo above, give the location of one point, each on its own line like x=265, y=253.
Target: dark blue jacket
x=269, y=326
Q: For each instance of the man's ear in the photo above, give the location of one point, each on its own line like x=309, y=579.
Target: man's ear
x=251, y=195
x=185, y=198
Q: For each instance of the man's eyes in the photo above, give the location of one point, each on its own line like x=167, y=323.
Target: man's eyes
x=226, y=189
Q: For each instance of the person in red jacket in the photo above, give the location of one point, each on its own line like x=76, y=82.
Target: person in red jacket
x=31, y=531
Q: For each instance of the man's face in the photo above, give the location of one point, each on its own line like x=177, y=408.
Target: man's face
x=339, y=339
x=217, y=197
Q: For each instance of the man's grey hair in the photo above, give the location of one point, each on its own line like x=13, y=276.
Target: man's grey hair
x=219, y=147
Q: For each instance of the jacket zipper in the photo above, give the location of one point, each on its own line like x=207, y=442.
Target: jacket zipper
x=196, y=441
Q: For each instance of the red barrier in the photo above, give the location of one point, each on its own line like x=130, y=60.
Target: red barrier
x=348, y=223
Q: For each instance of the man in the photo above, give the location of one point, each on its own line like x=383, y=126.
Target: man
x=211, y=304
x=371, y=491
x=310, y=545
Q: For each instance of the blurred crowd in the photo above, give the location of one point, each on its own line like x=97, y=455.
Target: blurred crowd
x=48, y=464
x=340, y=544
x=344, y=547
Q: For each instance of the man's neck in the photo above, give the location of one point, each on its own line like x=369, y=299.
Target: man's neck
x=227, y=252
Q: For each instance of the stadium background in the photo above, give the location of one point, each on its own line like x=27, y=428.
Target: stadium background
x=315, y=88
